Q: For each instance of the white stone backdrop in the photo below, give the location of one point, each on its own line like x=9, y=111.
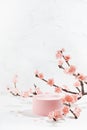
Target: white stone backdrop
x=30, y=33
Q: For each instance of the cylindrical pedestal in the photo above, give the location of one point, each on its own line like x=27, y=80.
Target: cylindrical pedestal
x=45, y=103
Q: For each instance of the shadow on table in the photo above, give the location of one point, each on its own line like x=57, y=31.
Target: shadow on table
x=28, y=113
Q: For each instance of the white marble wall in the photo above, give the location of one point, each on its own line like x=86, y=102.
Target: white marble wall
x=32, y=30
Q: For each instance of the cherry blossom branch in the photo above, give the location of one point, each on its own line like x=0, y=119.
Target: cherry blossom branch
x=71, y=70
x=65, y=90
x=29, y=93
x=12, y=92
x=59, y=114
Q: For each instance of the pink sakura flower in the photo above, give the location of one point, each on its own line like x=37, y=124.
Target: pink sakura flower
x=55, y=115
x=58, y=89
x=40, y=75
x=71, y=98
x=50, y=82
x=59, y=54
x=77, y=84
x=65, y=110
x=70, y=70
x=67, y=58
x=77, y=111
x=15, y=79
x=60, y=62
x=82, y=77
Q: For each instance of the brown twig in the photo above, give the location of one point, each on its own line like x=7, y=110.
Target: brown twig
x=73, y=114
x=65, y=90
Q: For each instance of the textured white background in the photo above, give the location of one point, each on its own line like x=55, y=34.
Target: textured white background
x=31, y=31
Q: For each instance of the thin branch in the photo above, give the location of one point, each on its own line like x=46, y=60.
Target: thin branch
x=73, y=114
x=78, y=89
x=82, y=87
x=14, y=94
x=68, y=91
x=66, y=61
x=85, y=93
x=60, y=66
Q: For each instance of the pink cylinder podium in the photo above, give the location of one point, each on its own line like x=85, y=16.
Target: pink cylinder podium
x=45, y=103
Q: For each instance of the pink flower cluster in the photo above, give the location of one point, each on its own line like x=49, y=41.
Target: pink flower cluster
x=59, y=114
x=29, y=93
x=55, y=115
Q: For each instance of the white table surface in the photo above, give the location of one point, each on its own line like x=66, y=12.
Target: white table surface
x=16, y=114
